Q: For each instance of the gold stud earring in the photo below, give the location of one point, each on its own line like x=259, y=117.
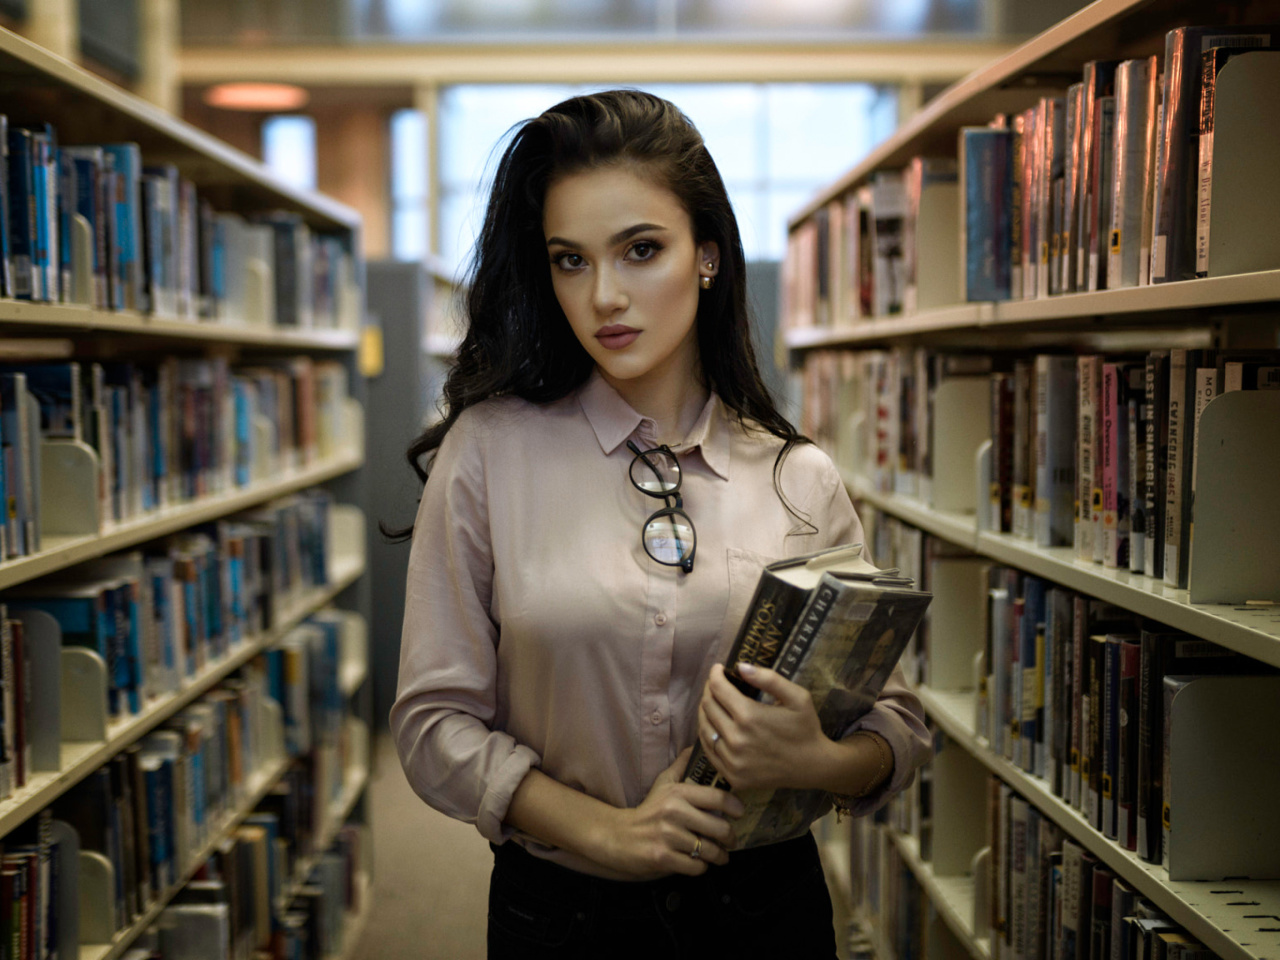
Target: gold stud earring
x=706, y=283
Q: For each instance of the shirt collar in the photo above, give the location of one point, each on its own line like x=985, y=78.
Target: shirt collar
x=613, y=421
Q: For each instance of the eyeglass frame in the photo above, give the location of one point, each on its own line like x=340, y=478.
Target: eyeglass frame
x=684, y=563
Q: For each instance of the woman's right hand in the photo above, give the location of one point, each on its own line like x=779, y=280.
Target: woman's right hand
x=656, y=838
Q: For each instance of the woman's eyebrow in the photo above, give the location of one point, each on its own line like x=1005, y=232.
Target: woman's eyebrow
x=617, y=238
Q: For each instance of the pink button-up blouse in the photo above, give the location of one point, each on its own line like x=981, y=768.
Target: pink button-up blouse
x=537, y=631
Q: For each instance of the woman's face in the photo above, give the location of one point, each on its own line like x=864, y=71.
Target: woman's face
x=626, y=271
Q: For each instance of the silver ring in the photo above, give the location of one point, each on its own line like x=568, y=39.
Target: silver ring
x=715, y=738
x=696, y=852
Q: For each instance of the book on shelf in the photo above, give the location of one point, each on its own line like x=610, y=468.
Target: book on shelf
x=984, y=176
x=835, y=625
x=1131, y=203
x=95, y=225
x=1173, y=250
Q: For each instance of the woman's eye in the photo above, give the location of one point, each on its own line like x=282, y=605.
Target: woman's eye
x=643, y=250
x=567, y=261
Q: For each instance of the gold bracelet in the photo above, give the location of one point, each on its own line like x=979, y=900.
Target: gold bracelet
x=843, y=803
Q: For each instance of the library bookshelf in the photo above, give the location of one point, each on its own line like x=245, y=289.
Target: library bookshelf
x=1234, y=918
x=44, y=89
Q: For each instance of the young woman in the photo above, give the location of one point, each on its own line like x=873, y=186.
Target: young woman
x=569, y=603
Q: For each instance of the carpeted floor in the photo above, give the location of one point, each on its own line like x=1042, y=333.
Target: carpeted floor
x=431, y=875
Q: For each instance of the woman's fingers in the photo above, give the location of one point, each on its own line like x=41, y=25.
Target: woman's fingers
x=714, y=725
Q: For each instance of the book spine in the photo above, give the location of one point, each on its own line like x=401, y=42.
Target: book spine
x=1079, y=695
x=774, y=610
x=1210, y=63
x=1042, y=507
x=1171, y=689
x=1110, y=461
x=1002, y=401
x=986, y=188
x=1182, y=366
x=1061, y=605
x=1017, y=190
x=1018, y=897
x=1110, y=736
x=998, y=625
x=1104, y=171
x=1091, y=762
x=1132, y=162
x=1071, y=190
x=1135, y=490
x=1031, y=151
x=1126, y=788
x=1052, y=126
x=1086, y=370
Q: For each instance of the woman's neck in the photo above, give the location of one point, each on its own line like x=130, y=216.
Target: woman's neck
x=672, y=398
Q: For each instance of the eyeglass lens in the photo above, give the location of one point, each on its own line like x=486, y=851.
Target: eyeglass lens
x=668, y=538
x=656, y=472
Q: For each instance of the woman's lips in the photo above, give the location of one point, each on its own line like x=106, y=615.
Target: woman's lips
x=616, y=336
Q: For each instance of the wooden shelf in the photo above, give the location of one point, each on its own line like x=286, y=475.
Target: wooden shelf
x=62, y=552
x=1253, y=631
x=261, y=783
x=57, y=91
x=1156, y=302
x=52, y=319
x=1225, y=916
x=81, y=759
x=951, y=896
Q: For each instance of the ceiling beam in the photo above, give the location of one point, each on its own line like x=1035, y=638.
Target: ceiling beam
x=605, y=62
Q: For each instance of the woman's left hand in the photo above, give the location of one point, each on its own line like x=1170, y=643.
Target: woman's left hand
x=756, y=744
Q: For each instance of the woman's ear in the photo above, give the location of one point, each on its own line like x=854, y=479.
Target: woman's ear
x=708, y=259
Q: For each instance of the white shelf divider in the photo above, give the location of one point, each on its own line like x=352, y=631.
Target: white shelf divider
x=61, y=552
x=952, y=896
x=1236, y=919
x=81, y=759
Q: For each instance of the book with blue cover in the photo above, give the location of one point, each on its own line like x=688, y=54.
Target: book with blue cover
x=985, y=238
x=126, y=162
x=22, y=212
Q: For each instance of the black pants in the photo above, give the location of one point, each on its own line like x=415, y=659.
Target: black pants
x=770, y=902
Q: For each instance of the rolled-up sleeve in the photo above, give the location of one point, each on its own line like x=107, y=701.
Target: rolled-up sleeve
x=897, y=715
x=446, y=696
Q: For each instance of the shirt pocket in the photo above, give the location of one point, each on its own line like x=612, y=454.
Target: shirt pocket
x=745, y=567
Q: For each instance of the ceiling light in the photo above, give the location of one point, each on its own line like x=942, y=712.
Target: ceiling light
x=262, y=97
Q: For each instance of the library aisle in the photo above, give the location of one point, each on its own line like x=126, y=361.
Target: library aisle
x=431, y=874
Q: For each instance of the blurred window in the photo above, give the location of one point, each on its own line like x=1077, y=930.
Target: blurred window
x=775, y=145
x=409, y=228
x=289, y=149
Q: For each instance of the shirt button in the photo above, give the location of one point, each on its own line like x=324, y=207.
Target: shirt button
x=656, y=718
x=660, y=619
x=673, y=902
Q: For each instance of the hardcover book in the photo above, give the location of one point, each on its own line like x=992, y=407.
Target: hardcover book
x=835, y=625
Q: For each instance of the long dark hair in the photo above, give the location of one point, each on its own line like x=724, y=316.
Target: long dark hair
x=518, y=341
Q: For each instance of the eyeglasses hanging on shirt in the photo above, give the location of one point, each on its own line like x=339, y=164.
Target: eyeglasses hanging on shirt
x=668, y=535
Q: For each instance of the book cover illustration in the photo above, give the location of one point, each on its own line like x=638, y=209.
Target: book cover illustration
x=842, y=648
